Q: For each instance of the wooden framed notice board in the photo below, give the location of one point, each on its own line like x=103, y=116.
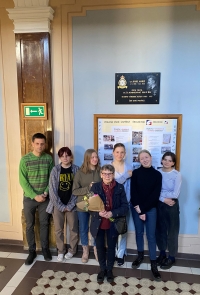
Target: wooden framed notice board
x=156, y=133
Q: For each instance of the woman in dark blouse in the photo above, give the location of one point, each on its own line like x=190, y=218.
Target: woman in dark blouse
x=114, y=198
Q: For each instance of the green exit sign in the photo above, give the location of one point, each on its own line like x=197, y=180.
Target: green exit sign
x=34, y=111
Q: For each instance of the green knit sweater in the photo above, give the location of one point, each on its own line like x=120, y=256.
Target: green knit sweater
x=34, y=174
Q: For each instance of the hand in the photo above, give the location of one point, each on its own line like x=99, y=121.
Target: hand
x=109, y=214
x=103, y=213
x=91, y=184
x=143, y=217
x=45, y=194
x=66, y=210
x=40, y=198
x=130, y=172
x=169, y=202
x=137, y=208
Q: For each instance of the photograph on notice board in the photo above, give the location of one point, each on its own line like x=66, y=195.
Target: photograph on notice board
x=165, y=149
x=135, y=158
x=108, y=138
x=108, y=146
x=108, y=157
x=166, y=138
x=137, y=137
x=136, y=150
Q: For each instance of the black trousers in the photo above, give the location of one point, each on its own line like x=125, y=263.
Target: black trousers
x=30, y=207
x=106, y=262
x=167, y=229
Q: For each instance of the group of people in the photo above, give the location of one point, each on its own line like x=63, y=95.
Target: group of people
x=150, y=196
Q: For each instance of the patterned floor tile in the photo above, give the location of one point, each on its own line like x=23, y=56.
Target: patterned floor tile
x=73, y=283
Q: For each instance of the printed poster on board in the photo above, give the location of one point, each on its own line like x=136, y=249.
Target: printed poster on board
x=156, y=135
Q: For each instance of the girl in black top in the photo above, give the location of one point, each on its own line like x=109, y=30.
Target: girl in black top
x=145, y=191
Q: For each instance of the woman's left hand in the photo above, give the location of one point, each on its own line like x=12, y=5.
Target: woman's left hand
x=143, y=217
x=103, y=214
x=108, y=214
x=169, y=202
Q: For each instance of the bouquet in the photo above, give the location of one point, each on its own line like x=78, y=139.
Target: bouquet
x=91, y=202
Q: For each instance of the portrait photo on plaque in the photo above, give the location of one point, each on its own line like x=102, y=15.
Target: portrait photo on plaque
x=137, y=88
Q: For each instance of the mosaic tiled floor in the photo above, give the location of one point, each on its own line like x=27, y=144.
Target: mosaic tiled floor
x=2, y=268
x=72, y=283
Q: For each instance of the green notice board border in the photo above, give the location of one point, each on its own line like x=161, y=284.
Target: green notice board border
x=34, y=111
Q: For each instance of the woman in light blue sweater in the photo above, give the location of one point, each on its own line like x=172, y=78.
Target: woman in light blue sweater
x=123, y=172
x=168, y=212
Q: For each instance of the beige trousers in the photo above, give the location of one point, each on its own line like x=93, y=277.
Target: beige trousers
x=59, y=222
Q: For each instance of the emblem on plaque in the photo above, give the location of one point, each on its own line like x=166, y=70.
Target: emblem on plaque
x=122, y=83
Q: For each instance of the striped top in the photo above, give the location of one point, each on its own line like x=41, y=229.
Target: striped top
x=34, y=174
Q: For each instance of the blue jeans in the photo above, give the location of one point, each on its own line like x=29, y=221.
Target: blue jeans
x=122, y=240
x=150, y=224
x=83, y=218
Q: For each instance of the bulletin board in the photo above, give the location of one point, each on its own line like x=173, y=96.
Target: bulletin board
x=156, y=133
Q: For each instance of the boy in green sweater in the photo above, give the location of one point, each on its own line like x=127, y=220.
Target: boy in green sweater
x=34, y=172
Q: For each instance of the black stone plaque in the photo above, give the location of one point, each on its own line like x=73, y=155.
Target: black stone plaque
x=137, y=88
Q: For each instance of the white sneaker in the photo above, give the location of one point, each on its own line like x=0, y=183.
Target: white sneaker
x=68, y=255
x=60, y=257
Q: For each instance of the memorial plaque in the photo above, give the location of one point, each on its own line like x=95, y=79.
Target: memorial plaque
x=137, y=88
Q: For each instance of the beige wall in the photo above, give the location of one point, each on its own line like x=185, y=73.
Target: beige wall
x=8, y=76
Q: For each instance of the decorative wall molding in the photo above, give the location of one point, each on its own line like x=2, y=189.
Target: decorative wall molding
x=31, y=19
x=30, y=3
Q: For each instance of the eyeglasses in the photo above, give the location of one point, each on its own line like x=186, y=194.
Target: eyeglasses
x=107, y=174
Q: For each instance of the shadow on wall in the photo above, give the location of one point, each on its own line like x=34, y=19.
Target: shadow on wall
x=49, y=142
x=198, y=209
x=79, y=152
x=183, y=198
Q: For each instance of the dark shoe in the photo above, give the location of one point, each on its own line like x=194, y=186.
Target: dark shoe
x=32, y=255
x=154, y=269
x=160, y=259
x=167, y=263
x=138, y=260
x=101, y=275
x=120, y=261
x=110, y=277
x=47, y=254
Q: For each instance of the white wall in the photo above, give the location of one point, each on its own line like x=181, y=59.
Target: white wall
x=160, y=39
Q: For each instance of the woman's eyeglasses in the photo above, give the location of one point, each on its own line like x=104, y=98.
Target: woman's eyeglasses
x=107, y=174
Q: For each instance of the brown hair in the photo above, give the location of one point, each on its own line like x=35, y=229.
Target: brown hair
x=38, y=135
x=63, y=150
x=172, y=155
x=119, y=145
x=143, y=151
x=86, y=161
